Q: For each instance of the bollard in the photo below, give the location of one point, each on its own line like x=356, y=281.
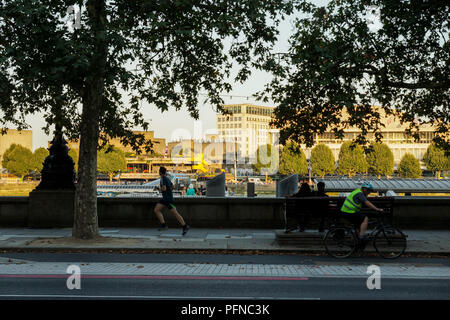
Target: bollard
x=251, y=190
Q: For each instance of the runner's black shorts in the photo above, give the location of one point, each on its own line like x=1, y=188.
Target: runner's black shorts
x=355, y=218
x=168, y=204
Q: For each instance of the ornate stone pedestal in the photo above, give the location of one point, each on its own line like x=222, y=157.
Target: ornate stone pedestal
x=52, y=203
x=51, y=208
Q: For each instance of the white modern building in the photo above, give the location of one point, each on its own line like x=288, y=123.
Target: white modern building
x=247, y=125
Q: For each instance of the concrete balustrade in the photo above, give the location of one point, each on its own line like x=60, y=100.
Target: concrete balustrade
x=212, y=212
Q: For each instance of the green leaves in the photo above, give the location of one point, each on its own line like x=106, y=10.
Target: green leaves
x=39, y=156
x=74, y=155
x=267, y=159
x=18, y=160
x=435, y=159
x=178, y=44
x=380, y=160
x=351, y=159
x=322, y=160
x=409, y=167
x=293, y=160
x=111, y=160
x=339, y=60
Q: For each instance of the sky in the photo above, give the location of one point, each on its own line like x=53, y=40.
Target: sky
x=172, y=124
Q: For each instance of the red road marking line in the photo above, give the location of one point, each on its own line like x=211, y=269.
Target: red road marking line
x=56, y=276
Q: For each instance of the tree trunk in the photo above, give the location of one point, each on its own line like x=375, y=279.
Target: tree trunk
x=110, y=177
x=85, y=219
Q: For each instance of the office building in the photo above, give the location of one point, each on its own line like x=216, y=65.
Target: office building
x=247, y=125
x=394, y=136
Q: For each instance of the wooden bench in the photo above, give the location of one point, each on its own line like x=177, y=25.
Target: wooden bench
x=300, y=212
x=314, y=212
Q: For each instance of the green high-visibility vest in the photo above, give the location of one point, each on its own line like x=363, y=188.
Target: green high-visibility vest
x=349, y=205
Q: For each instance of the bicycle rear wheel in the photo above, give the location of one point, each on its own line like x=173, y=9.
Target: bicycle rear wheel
x=340, y=242
x=390, y=242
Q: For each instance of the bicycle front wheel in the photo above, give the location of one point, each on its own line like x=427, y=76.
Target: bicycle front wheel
x=390, y=243
x=340, y=242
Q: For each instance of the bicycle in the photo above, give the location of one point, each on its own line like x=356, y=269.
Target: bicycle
x=341, y=240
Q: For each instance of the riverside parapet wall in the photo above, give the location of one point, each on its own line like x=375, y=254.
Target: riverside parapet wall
x=229, y=212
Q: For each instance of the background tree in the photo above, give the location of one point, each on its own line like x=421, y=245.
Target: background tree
x=6, y=155
x=39, y=156
x=436, y=160
x=111, y=161
x=350, y=55
x=322, y=160
x=351, y=159
x=95, y=77
x=18, y=160
x=267, y=159
x=380, y=160
x=409, y=167
x=293, y=159
x=73, y=153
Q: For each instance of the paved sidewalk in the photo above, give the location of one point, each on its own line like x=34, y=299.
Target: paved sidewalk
x=419, y=241
x=11, y=268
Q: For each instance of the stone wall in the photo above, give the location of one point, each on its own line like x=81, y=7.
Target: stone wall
x=258, y=212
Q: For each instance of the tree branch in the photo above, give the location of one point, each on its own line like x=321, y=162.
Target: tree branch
x=401, y=84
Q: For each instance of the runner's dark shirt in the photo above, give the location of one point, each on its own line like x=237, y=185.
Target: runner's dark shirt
x=167, y=195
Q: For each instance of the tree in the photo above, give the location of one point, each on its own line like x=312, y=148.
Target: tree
x=267, y=159
x=380, y=160
x=293, y=159
x=73, y=153
x=351, y=55
x=95, y=77
x=6, y=155
x=409, y=167
x=18, y=160
x=322, y=160
x=39, y=156
x=351, y=159
x=111, y=161
x=436, y=160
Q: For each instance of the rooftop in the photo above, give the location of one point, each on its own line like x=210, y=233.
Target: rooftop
x=383, y=185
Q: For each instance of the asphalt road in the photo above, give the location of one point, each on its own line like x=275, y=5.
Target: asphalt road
x=130, y=286
x=310, y=289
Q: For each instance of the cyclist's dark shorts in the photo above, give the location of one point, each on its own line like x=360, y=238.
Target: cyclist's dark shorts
x=355, y=218
x=168, y=204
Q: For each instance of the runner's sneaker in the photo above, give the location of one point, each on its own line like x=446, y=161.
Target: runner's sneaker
x=185, y=229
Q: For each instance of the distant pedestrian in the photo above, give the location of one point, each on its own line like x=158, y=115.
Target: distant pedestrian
x=322, y=205
x=167, y=201
x=191, y=190
x=303, y=207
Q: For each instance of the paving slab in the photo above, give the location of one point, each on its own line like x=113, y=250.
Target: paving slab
x=300, y=271
x=419, y=241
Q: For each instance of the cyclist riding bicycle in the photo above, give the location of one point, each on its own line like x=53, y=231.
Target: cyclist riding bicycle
x=352, y=207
